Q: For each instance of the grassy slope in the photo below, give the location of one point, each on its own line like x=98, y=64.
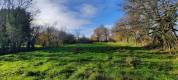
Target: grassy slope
x=92, y=62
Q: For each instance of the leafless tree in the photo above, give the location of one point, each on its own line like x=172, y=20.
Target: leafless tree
x=101, y=34
x=154, y=18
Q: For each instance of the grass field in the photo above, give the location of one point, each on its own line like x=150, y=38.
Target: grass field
x=101, y=61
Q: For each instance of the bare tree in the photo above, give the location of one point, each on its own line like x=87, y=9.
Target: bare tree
x=77, y=34
x=155, y=18
x=101, y=34
x=55, y=38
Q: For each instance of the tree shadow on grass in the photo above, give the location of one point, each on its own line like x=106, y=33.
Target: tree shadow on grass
x=55, y=53
x=21, y=50
x=91, y=49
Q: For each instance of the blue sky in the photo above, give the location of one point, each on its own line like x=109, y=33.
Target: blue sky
x=81, y=15
x=108, y=13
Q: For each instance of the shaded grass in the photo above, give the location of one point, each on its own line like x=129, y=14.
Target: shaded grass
x=100, y=61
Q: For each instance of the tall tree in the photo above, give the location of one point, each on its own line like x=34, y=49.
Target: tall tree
x=155, y=18
x=101, y=34
x=15, y=25
x=121, y=32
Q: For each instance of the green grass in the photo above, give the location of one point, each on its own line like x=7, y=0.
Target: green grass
x=99, y=61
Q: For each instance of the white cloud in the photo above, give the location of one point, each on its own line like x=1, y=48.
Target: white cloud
x=88, y=10
x=55, y=12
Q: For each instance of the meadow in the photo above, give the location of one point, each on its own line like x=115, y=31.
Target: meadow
x=99, y=61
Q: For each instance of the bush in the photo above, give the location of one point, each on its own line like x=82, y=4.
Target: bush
x=84, y=40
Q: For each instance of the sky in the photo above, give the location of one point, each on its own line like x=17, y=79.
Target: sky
x=77, y=15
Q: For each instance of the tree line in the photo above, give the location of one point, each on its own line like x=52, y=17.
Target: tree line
x=151, y=23
x=154, y=21
x=15, y=30
x=17, y=33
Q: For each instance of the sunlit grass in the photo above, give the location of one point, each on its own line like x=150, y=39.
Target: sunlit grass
x=99, y=61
